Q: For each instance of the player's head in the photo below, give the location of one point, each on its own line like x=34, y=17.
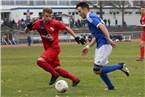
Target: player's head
x=83, y=9
x=142, y=10
x=47, y=14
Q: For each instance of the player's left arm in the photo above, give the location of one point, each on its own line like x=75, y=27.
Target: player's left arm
x=77, y=38
x=106, y=33
x=63, y=27
x=140, y=25
x=70, y=31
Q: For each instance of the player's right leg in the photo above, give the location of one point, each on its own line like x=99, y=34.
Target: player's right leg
x=46, y=60
x=47, y=67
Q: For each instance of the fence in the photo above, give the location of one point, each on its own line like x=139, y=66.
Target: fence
x=19, y=37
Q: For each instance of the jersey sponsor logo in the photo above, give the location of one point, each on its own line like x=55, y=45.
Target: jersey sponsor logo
x=51, y=28
x=48, y=36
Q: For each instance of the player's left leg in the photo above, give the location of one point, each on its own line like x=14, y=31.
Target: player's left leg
x=107, y=81
x=64, y=73
x=141, y=58
x=142, y=49
x=101, y=57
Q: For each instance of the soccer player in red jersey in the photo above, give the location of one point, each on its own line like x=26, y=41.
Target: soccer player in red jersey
x=142, y=41
x=48, y=29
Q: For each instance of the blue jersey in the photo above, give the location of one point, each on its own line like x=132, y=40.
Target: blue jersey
x=93, y=22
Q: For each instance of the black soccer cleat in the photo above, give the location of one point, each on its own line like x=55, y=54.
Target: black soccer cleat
x=140, y=59
x=75, y=83
x=53, y=79
x=124, y=68
x=110, y=88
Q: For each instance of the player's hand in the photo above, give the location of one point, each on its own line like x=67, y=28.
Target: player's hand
x=85, y=51
x=113, y=44
x=80, y=40
x=77, y=39
x=138, y=25
x=30, y=25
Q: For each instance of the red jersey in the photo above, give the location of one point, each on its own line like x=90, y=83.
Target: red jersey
x=143, y=22
x=52, y=28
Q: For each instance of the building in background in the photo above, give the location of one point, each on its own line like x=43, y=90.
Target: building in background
x=64, y=10
x=15, y=14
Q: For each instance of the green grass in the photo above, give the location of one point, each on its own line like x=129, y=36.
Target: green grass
x=21, y=77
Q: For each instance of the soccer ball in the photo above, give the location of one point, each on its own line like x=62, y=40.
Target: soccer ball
x=61, y=86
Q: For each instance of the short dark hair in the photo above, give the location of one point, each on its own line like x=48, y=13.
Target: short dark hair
x=83, y=5
x=48, y=10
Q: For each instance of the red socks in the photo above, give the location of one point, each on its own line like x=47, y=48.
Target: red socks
x=66, y=74
x=62, y=72
x=46, y=67
x=142, y=52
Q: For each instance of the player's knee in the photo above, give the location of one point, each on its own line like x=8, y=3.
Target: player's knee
x=142, y=43
x=40, y=61
x=97, y=69
x=56, y=68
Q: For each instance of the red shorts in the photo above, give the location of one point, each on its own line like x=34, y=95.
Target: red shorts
x=51, y=56
x=143, y=36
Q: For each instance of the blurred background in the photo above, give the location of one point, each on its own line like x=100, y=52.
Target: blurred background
x=120, y=17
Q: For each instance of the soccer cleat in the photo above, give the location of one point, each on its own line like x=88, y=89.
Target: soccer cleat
x=53, y=79
x=75, y=83
x=110, y=88
x=124, y=68
x=140, y=59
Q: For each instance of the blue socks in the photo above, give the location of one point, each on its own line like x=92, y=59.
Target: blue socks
x=106, y=79
x=107, y=69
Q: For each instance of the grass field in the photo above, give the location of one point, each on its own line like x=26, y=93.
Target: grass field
x=21, y=77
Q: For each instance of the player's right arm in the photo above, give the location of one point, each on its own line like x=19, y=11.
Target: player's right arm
x=29, y=27
x=92, y=42
x=26, y=30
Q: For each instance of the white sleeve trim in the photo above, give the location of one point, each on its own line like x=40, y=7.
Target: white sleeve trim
x=98, y=25
x=89, y=19
x=143, y=25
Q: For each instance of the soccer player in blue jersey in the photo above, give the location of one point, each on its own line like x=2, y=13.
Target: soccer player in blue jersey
x=103, y=47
